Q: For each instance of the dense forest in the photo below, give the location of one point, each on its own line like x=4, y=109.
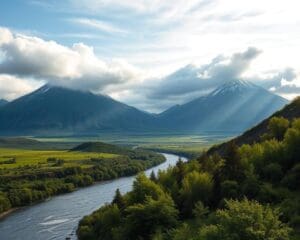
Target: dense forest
x=249, y=192
x=24, y=185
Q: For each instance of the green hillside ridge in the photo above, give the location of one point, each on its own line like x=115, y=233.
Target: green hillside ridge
x=101, y=147
x=249, y=192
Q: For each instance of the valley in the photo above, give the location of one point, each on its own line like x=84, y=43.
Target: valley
x=30, y=176
x=149, y=120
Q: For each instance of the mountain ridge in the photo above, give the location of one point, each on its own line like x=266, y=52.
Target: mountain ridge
x=53, y=110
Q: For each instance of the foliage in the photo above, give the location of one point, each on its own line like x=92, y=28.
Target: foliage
x=36, y=175
x=247, y=220
x=249, y=192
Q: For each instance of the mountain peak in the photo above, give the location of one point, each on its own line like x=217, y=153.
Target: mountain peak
x=233, y=86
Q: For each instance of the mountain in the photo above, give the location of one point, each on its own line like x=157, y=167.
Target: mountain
x=3, y=102
x=58, y=110
x=234, y=106
x=290, y=112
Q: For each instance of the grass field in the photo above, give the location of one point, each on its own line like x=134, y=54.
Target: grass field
x=193, y=144
x=40, y=157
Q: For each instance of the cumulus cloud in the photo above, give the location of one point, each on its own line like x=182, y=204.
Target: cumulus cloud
x=204, y=78
x=27, y=62
x=75, y=67
x=194, y=81
x=12, y=87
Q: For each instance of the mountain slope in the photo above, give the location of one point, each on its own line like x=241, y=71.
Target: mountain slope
x=59, y=110
x=290, y=112
x=3, y=102
x=234, y=106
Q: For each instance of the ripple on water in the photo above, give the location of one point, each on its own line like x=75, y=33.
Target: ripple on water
x=54, y=222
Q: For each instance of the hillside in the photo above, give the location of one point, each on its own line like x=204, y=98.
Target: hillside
x=101, y=147
x=248, y=192
x=234, y=106
x=3, y=102
x=290, y=112
x=19, y=142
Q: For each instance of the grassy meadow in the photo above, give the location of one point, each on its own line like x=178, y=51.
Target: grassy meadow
x=24, y=157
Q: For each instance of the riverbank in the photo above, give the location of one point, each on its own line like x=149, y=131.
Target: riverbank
x=75, y=179
x=7, y=213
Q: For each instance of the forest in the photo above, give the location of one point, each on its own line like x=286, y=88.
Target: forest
x=31, y=176
x=249, y=192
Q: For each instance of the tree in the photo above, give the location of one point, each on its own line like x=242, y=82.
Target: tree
x=101, y=225
x=278, y=126
x=246, y=220
x=229, y=189
x=119, y=200
x=143, y=187
x=292, y=143
x=233, y=169
x=4, y=202
x=153, y=176
x=144, y=220
x=195, y=187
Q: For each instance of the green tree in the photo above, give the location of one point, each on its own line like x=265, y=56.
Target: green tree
x=246, y=220
x=153, y=176
x=119, y=200
x=196, y=187
x=143, y=187
x=4, y=202
x=101, y=225
x=278, y=126
x=144, y=220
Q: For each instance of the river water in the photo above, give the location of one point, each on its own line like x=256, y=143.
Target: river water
x=58, y=217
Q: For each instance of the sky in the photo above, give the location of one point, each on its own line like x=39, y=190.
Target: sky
x=147, y=53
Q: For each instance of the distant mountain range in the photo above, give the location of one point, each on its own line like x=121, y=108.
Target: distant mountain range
x=51, y=110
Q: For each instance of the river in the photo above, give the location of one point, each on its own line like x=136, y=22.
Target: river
x=58, y=217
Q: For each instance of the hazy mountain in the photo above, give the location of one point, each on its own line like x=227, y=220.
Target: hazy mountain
x=3, y=102
x=58, y=110
x=233, y=106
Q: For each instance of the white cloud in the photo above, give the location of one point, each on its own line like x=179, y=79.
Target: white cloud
x=74, y=67
x=12, y=87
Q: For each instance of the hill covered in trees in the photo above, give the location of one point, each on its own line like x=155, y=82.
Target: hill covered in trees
x=249, y=192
